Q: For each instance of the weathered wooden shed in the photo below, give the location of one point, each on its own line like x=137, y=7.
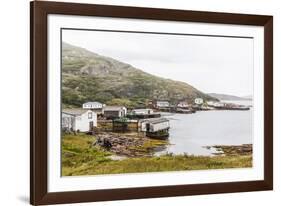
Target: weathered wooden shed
x=113, y=112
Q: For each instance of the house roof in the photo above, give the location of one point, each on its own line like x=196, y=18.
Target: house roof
x=155, y=120
x=158, y=120
x=75, y=112
x=92, y=103
x=113, y=108
x=162, y=101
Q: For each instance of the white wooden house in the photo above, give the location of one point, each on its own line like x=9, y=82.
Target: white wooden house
x=198, y=101
x=162, y=104
x=78, y=120
x=95, y=106
x=219, y=104
x=183, y=105
x=112, y=112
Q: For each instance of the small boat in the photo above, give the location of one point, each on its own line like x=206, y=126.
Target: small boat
x=162, y=135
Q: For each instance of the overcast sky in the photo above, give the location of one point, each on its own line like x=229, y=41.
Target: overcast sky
x=210, y=64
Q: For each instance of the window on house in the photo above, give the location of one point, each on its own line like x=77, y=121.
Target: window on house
x=90, y=115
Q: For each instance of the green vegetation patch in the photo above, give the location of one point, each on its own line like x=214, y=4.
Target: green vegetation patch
x=77, y=151
x=87, y=76
x=80, y=158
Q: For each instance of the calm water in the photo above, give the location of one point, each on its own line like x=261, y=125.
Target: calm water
x=190, y=132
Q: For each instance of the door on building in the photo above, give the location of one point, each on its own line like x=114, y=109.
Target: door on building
x=91, y=126
x=147, y=127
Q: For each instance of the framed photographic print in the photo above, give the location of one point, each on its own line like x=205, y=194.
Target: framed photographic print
x=131, y=102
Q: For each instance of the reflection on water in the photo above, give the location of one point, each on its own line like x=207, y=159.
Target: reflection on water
x=190, y=132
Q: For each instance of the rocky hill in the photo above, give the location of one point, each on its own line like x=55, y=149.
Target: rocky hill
x=87, y=76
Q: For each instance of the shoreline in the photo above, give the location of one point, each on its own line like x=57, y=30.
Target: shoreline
x=80, y=157
x=228, y=150
x=130, y=144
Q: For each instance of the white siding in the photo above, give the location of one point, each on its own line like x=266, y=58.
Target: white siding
x=162, y=104
x=92, y=105
x=143, y=126
x=198, y=101
x=79, y=122
x=83, y=122
x=183, y=104
x=159, y=126
x=67, y=121
x=143, y=111
x=154, y=127
x=124, y=111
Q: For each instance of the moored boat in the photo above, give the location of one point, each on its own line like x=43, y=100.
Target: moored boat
x=162, y=135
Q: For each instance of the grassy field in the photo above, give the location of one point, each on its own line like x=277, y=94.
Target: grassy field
x=80, y=158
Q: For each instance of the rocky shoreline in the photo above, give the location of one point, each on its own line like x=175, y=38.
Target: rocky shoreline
x=123, y=145
x=230, y=150
x=83, y=155
x=128, y=144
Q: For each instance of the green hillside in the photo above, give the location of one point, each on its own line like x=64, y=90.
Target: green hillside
x=87, y=76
